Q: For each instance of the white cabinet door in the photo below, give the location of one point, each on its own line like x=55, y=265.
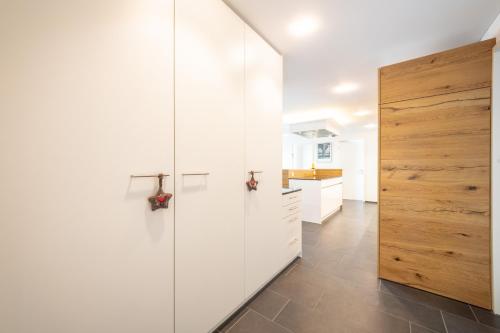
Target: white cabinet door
x=331, y=199
x=328, y=200
x=263, y=108
x=209, y=139
x=339, y=195
x=85, y=102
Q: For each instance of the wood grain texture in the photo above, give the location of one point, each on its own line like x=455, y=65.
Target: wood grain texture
x=434, y=184
x=309, y=173
x=460, y=69
x=284, y=176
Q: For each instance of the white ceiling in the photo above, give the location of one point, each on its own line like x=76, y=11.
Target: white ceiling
x=354, y=38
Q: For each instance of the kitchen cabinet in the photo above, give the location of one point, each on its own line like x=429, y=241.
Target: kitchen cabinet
x=291, y=226
x=322, y=197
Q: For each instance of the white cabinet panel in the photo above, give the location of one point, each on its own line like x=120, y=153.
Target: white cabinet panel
x=86, y=101
x=263, y=109
x=331, y=199
x=320, y=198
x=209, y=98
x=291, y=198
x=291, y=228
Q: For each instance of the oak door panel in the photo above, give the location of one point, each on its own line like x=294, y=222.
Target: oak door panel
x=460, y=69
x=435, y=194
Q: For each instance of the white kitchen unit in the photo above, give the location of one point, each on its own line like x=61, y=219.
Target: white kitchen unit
x=86, y=101
x=263, y=110
x=321, y=197
x=291, y=225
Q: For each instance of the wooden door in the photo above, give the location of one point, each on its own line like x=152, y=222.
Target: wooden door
x=209, y=157
x=435, y=140
x=86, y=100
x=263, y=108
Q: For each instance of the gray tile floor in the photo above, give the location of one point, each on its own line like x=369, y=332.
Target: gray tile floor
x=334, y=288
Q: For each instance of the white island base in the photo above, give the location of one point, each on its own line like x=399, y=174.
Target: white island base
x=321, y=198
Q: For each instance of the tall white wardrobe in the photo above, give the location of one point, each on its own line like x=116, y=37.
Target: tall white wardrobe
x=228, y=96
x=108, y=89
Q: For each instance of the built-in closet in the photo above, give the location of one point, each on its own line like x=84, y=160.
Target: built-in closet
x=97, y=95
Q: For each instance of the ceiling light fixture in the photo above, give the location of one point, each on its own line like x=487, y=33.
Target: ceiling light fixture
x=345, y=88
x=303, y=26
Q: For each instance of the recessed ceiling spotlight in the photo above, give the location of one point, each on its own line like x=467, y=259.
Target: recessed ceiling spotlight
x=362, y=113
x=345, y=88
x=303, y=26
x=371, y=126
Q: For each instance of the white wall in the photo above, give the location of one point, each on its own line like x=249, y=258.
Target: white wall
x=494, y=31
x=293, y=152
x=304, y=150
x=371, y=165
x=370, y=140
x=353, y=164
x=300, y=152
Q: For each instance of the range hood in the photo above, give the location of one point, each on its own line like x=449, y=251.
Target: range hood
x=315, y=129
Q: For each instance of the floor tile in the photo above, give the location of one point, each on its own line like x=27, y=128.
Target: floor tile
x=253, y=322
x=375, y=321
x=419, y=329
x=310, y=237
x=334, y=288
x=414, y=312
x=420, y=296
x=458, y=324
x=301, y=319
x=233, y=320
x=297, y=290
x=268, y=303
x=487, y=317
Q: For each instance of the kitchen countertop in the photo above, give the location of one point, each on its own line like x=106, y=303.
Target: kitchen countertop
x=285, y=191
x=315, y=177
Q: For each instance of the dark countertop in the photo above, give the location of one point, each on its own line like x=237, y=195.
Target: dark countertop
x=285, y=191
x=315, y=177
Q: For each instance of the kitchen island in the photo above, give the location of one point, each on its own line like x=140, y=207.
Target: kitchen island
x=321, y=196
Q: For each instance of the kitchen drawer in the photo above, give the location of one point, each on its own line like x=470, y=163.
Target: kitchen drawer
x=293, y=248
x=291, y=198
x=291, y=209
x=292, y=229
x=293, y=219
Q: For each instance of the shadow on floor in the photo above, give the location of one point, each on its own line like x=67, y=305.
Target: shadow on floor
x=334, y=288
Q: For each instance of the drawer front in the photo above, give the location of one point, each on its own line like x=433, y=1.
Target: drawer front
x=291, y=198
x=292, y=219
x=293, y=247
x=292, y=209
x=293, y=229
